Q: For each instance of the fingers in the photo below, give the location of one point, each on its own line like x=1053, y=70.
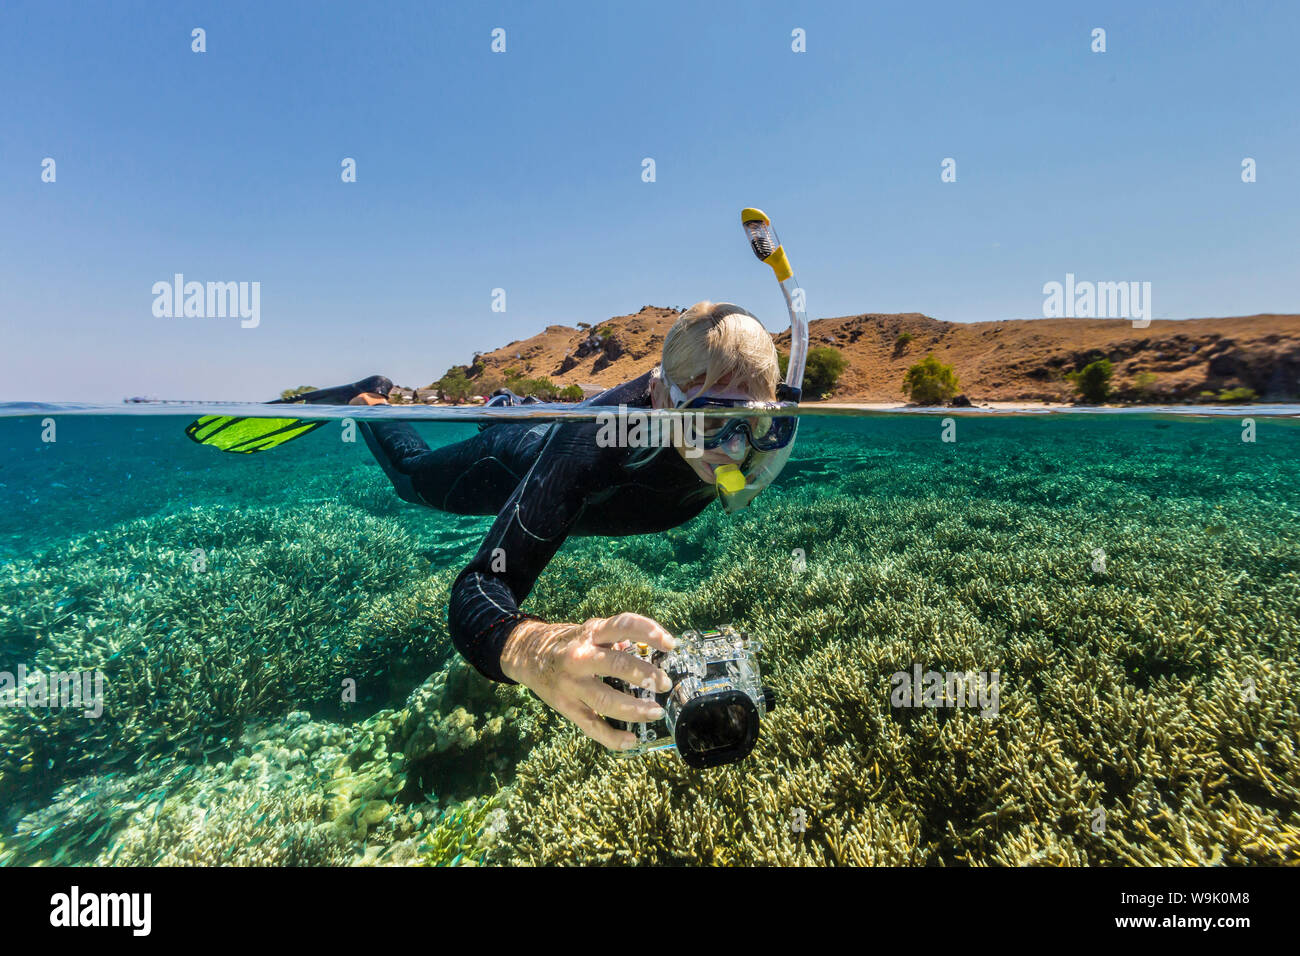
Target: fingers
x=594, y=726
x=609, y=702
x=635, y=628
x=573, y=685
x=611, y=662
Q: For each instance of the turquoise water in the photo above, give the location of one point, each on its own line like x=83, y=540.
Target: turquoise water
x=1134, y=579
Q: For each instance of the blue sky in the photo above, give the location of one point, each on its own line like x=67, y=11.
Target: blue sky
x=522, y=171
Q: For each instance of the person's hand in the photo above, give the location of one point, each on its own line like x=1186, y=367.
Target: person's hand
x=564, y=664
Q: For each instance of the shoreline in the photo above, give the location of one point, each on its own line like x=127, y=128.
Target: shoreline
x=565, y=411
x=1271, y=409
x=992, y=406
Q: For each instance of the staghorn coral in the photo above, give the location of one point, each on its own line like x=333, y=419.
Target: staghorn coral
x=286, y=607
x=1121, y=690
x=1147, y=714
x=303, y=792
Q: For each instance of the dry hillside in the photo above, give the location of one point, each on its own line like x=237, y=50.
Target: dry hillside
x=1012, y=360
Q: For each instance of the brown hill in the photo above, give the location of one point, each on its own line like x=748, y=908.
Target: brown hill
x=1012, y=360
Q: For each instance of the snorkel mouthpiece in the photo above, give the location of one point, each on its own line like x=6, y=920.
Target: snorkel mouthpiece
x=730, y=478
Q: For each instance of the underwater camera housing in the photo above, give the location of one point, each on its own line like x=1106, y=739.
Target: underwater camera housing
x=712, y=711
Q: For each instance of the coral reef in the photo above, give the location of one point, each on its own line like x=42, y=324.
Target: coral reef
x=301, y=792
x=1160, y=691
x=1134, y=583
x=286, y=607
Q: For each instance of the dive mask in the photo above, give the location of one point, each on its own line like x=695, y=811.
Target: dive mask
x=763, y=431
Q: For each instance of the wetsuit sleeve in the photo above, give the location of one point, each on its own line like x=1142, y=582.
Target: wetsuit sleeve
x=527, y=533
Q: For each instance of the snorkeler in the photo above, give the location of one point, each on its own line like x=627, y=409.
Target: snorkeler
x=546, y=482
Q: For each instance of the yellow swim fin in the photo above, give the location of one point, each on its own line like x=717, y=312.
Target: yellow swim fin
x=247, y=435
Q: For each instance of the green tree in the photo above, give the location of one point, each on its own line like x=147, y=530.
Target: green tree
x=455, y=386
x=1093, y=380
x=821, y=372
x=930, y=382
x=539, y=387
x=291, y=393
x=570, y=393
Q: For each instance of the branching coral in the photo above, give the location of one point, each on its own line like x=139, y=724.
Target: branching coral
x=1134, y=584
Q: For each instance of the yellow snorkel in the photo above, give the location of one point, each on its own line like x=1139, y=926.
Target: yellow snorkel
x=737, y=488
x=767, y=247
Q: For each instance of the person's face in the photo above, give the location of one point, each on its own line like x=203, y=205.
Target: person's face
x=707, y=464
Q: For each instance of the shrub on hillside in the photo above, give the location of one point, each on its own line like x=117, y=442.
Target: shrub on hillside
x=1092, y=382
x=930, y=382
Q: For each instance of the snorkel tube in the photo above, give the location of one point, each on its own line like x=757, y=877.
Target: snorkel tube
x=767, y=247
x=737, y=487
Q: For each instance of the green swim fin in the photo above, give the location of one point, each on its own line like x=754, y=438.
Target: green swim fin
x=247, y=435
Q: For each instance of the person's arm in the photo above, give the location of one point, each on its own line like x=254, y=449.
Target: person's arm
x=560, y=662
x=528, y=531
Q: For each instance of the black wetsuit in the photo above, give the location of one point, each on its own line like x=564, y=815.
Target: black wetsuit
x=544, y=482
